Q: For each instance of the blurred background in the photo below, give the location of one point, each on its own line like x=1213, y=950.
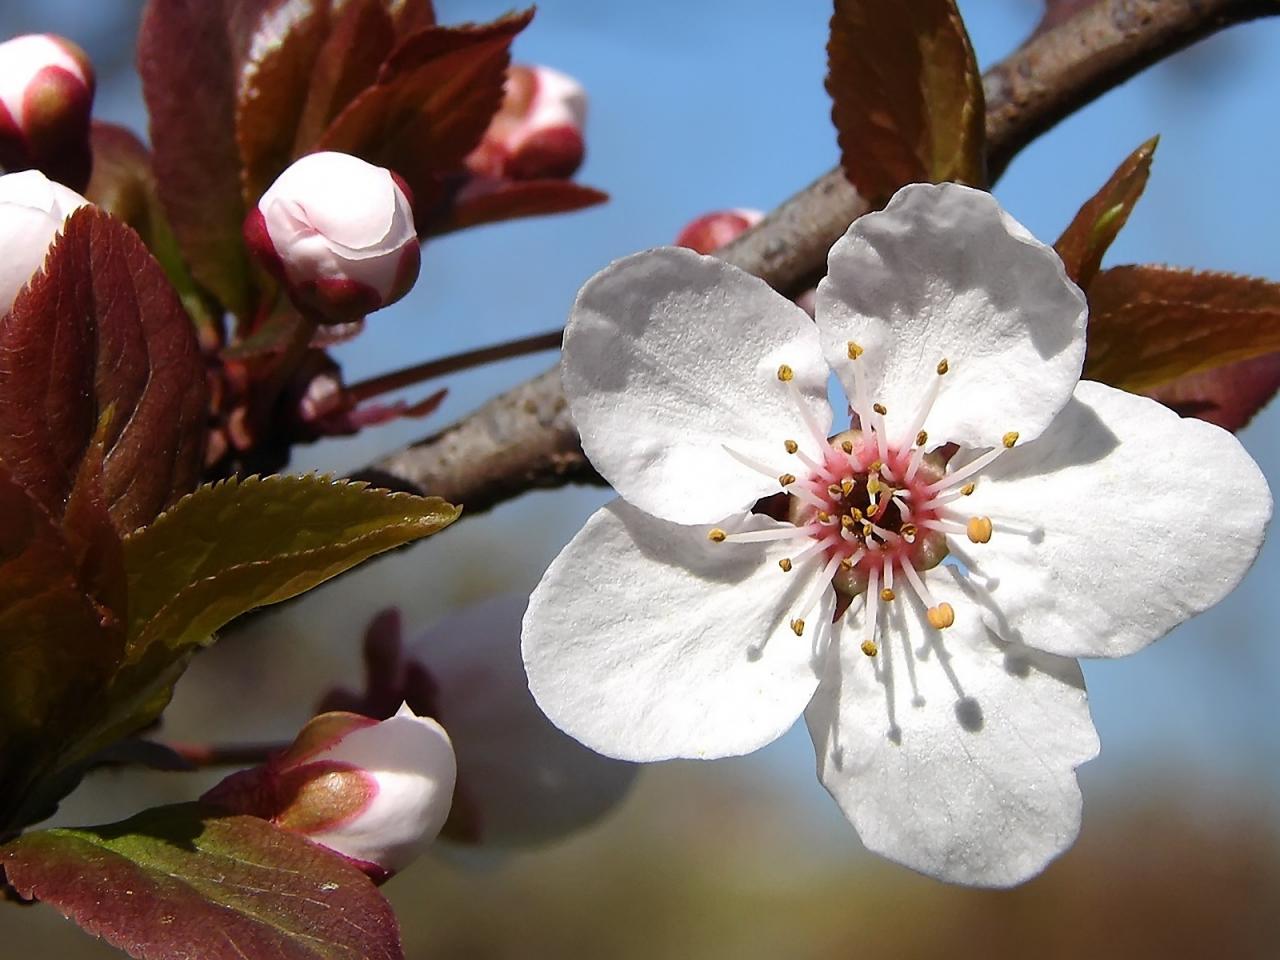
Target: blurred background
x=698, y=106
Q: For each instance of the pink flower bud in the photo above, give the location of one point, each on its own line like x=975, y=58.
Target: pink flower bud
x=711, y=231
x=537, y=133
x=32, y=211
x=46, y=95
x=373, y=791
x=339, y=233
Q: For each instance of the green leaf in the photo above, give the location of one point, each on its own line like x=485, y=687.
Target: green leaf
x=237, y=545
x=101, y=328
x=1083, y=244
x=183, y=881
x=906, y=95
x=1150, y=325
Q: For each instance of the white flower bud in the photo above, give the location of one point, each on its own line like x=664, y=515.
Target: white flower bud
x=46, y=96
x=33, y=209
x=373, y=791
x=339, y=233
x=537, y=133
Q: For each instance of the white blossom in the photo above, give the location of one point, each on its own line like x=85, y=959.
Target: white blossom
x=33, y=209
x=915, y=585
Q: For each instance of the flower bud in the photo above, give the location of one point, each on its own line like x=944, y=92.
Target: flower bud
x=537, y=133
x=339, y=233
x=46, y=95
x=373, y=791
x=32, y=211
x=711, y=231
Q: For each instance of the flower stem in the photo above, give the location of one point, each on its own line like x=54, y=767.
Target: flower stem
x=407, y=377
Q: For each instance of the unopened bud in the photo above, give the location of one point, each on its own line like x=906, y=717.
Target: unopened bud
x=33, y=209
x=711, y=231
x=339, y=233
x=46, y=96
x=537, y=132
x=373, y=791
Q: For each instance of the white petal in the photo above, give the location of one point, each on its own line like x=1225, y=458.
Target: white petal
x=1139, y=519
x=345, y=199
x=411, y=760
x=669, y=357
x=944, y=273
x=646, y=641
x=520, y=778
x=951, y=752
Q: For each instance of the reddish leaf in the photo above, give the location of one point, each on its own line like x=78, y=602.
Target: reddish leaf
x=509, y=199
x=188, y=58
x=274, y=83
x=431, y=104
x=1084, y=242
x=906, y=95
x=1150, y=325
x=1228, y=396
x=180, y=882
x=411, y=16
x=361, y=36
x=99, y=328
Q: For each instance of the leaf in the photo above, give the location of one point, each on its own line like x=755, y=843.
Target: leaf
x=101, y=327
x=1228, y=396
x=411, y=16
x=180, y=882
x=1083, y=244
x=1150, y=325
x=432, y=102
x=906, y=95
x=509, y=199
x=189, y=55
x=234, y=546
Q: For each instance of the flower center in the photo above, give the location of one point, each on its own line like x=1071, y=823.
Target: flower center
x=875, y=512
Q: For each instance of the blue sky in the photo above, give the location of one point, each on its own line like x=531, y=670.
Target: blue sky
x=696, y=106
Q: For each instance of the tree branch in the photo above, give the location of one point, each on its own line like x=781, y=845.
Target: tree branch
x=524, y=439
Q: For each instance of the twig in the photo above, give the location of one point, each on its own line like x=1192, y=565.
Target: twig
x=524, y=439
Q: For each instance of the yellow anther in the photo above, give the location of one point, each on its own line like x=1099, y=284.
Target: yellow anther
x=909, y=531
x=797, y=627
x=887, y=594
x=846, y=564
x=716, y=535
x=967, y=489
x=787, y=479
x=979, y=529
x=834, y=490
x=941, y=616
x=1009, y=439
x=846, y=486
x=791, y=446
x=873, y=484
x=824, y=517
x=869, y=648
x=785, y=373
x=876, y=466
x=846, y=521
x=880, y=408
x=785, y=564
x=922, y=438
x=856, y=513
x=847, y=446
x=943, y=367
x=855, y=351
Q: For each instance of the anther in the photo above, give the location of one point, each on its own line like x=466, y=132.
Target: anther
x=824, y=517
x=908, y=530
x=941, y=616
x=979, y=529
x=785, y=564
x=869, y=648
x=855, y=351
x=1009, y=439
x=791, y=446
x=846, y=521
x=787, y=479
x=876, y=466
x=846, y=564
x=797, y=627
x=887, y=594
x=846, y=486
x=922, y=438
x=846, y=446
x=785, y=373
x=716, y=535
x=968, y=489
x=880, y=408
x=835, y=490
x=943, y=367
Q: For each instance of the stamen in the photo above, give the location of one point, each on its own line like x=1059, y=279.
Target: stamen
x=716, y=535
x=860, y=405
x=872, y=613
x=926, y=407
x=965, y=472
x=748, y=461
x=806, y=496
x=882, y=437
x=967, y=489
x=847, y=446
x=887, y=594
x=764, y=536
x=811, y=600
x=846, y=486
x=855, y=351
x=939, y=615
x=1009, y=439
x=787, y=479
x=785, y=564
x=806, y=414
x=785, y=373
x=797, y=627
x=979, y=529
x=791, y=446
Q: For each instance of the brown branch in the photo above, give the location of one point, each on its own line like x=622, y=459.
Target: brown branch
x=525, y=439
